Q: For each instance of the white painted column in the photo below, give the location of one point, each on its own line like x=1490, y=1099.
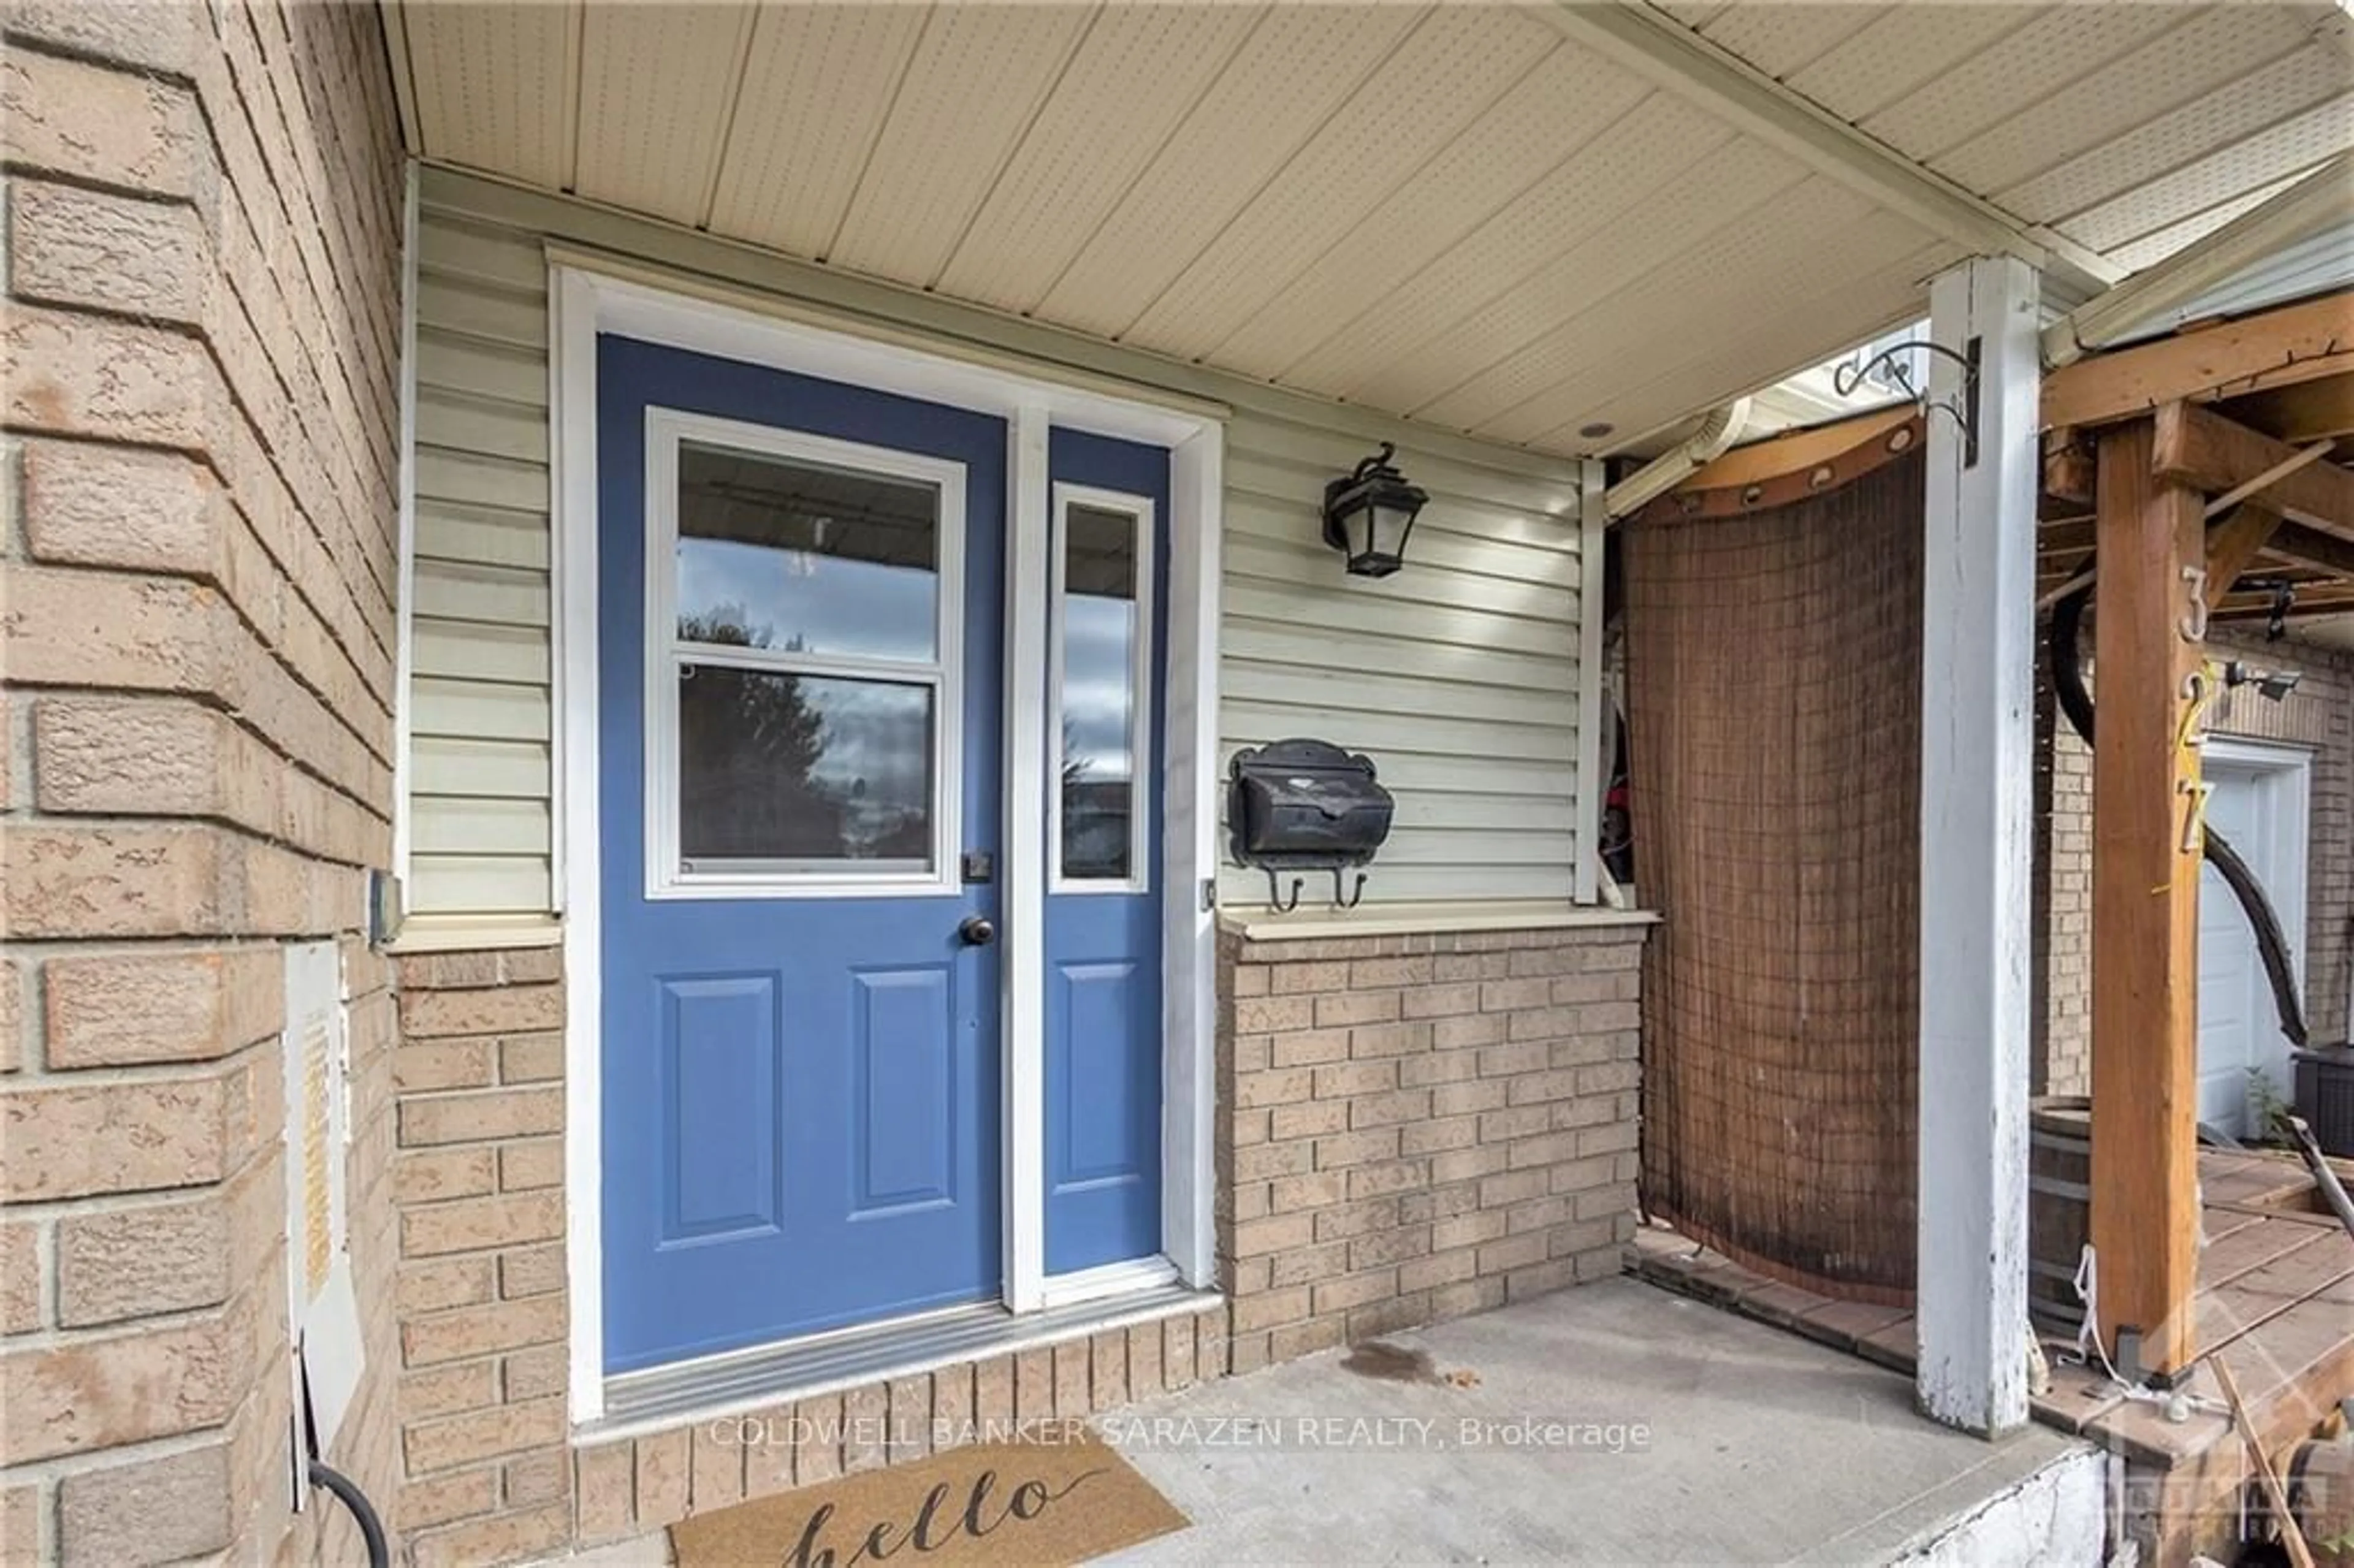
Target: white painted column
x=1593, y=766
x=1977, y=851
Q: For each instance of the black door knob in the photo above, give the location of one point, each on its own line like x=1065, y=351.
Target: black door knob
x=977, y=931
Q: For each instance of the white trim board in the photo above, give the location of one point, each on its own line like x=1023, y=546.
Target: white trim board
x=573, y=306
x=1425, y=920
x=404, y=595
x=584, y=302
x=1023, y=863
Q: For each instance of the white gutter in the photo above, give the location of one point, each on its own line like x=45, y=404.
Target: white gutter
x=2323, y=199
x=1715, y=436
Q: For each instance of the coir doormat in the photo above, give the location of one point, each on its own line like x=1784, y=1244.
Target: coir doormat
x=1036, y=1504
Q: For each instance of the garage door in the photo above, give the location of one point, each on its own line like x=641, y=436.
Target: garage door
x=2258, y=804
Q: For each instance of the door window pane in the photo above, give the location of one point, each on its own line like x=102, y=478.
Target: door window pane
x=776, y=770
x=1100, y=626
x=799, y=558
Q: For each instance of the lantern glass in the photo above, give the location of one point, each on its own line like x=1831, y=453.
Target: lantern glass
x=1387, y=524
x=1369, y=515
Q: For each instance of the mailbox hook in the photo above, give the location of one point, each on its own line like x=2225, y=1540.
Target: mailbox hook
x=1355, y=896
x=1276, y=902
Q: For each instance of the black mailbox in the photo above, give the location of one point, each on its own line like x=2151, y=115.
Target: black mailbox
x=1305, y=805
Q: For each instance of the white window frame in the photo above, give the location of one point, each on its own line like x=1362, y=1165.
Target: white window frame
x=666, y=876
x=1140, y=511
x=589, y=294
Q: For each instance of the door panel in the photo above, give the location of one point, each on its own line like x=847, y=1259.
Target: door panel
x=2239, y=1024
x=721, y=1124
x=904, y=1048
x=1103, y=1046
x=799, y=692
x=1105, y=1092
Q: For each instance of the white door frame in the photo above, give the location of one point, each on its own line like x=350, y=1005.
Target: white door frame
x=583, y=301
x=2284, y=776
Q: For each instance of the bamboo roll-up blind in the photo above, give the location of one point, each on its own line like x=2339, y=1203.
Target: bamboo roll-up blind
x=1773, y=674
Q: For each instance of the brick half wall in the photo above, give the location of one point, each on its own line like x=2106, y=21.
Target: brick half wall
x=1414, y=1128
x=485, y=1426
x=490, y=1467
x=1410, y=1128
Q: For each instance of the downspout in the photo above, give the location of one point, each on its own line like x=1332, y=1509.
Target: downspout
x=1715, y=436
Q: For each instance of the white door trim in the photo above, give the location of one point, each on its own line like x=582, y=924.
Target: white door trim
x=584, y=302
x=1023, y=1041
x=2287, y=770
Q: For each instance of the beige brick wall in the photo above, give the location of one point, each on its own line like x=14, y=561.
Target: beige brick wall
x=203, y=213
x=629, y=1486
x=489, y=1471
x=2319, y=715
x=1414, y=1128
x=2063, y=916
x=486, y=1470
x=1411, y=1129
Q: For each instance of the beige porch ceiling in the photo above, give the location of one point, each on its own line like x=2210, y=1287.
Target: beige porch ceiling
x=1523, y=222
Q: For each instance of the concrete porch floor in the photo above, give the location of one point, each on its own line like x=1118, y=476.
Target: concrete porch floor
x=1758, y=1448
x=1761, y=1448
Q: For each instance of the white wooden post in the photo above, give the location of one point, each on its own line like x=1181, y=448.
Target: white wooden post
x=1977, y=849
x=1594, y=764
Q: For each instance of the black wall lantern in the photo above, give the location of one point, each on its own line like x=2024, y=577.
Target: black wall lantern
x=1368, y=515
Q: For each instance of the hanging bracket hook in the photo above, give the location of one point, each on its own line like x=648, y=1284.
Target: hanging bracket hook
x=1848, y=378
x=1274, y=901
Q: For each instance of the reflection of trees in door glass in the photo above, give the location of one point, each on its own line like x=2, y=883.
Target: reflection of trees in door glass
x=1095, y=812
x=747, y=745
x=1099, y=627
x=776, y=765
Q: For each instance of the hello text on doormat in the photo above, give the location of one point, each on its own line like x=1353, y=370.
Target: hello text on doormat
x=993, y=1505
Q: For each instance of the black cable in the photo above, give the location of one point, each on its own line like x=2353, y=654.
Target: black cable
x=348, y=1493
x=2272, y=943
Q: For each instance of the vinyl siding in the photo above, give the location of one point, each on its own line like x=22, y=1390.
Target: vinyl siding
x=1459, y=675
x=481, y=724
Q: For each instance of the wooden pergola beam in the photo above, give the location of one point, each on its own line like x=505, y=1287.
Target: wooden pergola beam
x=2303, y=413
x=2146, y=857
x=2311, y=600
x=2284, y=348
x=2067, y=467
x=2312, y=549
x=1792, y=466
x=2201, y=450
x=2233, y=545
x=2066, y=534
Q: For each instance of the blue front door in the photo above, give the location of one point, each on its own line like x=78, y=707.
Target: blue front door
x=800, y=698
